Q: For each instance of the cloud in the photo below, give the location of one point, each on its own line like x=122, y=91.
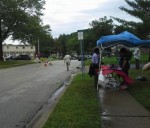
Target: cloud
x=66, y=16
x=69, y=15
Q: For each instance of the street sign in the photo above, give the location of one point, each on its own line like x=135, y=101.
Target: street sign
x=80, y=35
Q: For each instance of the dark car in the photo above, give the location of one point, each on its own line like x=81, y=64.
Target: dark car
x=80, y=58
x=22, y=57
x=44, y=55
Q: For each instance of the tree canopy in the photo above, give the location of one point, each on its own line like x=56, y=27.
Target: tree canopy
x=21, y=20
x=141, y=10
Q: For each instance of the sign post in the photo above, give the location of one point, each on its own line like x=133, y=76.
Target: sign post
x=80, y=38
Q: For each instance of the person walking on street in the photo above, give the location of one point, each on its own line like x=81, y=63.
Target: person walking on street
x=136, y=54
x=67, y=60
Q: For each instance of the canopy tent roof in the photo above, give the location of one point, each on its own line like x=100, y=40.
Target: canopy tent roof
x=124, y=38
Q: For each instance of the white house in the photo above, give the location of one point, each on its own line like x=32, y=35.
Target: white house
x=15, y=50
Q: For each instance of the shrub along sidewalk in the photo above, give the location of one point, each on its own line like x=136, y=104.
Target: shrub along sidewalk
x=78, y=108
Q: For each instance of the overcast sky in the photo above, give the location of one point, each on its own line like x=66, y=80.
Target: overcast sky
x=67, y=16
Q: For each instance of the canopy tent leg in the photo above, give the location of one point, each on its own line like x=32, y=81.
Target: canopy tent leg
x=100, y=63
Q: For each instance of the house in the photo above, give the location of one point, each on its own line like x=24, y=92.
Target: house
x=15, y=50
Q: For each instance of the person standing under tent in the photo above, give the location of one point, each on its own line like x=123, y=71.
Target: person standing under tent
x=67, y=60
x=137, y=55
x=124, y=65
x=124, y=60
x=95, y=62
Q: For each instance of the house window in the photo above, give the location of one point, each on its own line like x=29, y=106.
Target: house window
x=16, y=47
x=23, y=47
x=7, y=47
x=31, y=47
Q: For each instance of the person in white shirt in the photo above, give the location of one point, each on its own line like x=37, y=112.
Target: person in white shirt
x=67, y=60
x=137, y=55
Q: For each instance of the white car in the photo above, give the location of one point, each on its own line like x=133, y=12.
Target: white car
x=10, y=57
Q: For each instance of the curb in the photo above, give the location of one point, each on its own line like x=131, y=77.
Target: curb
x=42, y=116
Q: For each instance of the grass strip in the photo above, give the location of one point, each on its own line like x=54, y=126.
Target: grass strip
x=78, y=108
x=8, y=64
x=140, y=90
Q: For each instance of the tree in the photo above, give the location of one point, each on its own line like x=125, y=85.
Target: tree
x=89, y=40
x=69, y=43
x=72, y=43
x=101, y=27
x=57, y=47
x=124, y=27
x=63, y=40
x=46, y=44
x=141, y=10
x=20, y=19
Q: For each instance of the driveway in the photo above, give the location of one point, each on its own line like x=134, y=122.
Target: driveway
x=25, y=89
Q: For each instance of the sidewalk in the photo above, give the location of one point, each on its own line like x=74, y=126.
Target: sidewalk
x=121, y=110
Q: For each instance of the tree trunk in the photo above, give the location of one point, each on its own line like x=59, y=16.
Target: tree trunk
x=1, y=51
x=1, y=46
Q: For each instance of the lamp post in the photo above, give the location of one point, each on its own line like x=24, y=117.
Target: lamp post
x=80, y=38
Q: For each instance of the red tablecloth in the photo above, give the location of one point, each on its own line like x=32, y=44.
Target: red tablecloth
x=107, y=70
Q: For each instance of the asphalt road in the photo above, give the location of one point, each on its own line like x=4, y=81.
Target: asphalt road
x=25, y=89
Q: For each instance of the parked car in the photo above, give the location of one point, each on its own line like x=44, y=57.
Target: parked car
x=74, y=57
x=22, y=57
x=10, y=57
x=88, y=56
x=44, y=55
x=84, y=58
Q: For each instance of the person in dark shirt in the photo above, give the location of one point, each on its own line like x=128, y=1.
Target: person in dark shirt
x=124, y=60
x=124, y=65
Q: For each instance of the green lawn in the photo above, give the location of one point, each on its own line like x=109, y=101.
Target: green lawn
x=140, y=90
x=113, y=60
x=8, y=64
x=78, y=108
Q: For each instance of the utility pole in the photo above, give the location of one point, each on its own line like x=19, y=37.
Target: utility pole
x=38, y=46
